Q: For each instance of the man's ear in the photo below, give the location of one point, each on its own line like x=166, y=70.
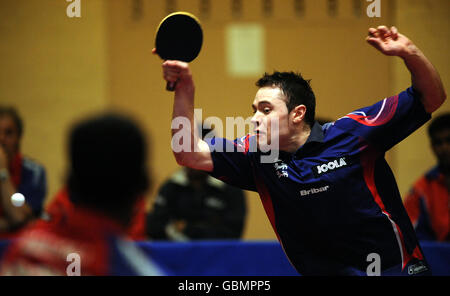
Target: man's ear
x=299, y=113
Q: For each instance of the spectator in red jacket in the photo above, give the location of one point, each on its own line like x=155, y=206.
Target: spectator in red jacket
x=428, y=202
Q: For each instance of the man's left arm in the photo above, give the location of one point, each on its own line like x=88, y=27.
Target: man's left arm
x=425, y=78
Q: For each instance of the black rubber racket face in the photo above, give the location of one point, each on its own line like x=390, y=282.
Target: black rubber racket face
x=179, y=37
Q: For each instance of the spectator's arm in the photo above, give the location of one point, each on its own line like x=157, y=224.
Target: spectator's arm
x=14, y=216
x=4, y=226
x=416, y=208
x=412, y=206
x=159, y=217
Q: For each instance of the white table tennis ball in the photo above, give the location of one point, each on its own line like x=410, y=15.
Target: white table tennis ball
x=17, y=199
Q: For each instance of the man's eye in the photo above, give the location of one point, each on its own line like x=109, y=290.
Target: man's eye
x=266, y=110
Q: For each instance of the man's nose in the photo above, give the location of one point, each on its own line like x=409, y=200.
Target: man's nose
x=255, y=120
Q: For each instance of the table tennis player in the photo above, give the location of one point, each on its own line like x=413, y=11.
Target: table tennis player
x=330, y=196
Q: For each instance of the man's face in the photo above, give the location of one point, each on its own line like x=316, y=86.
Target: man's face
x=271, y=118
x=9, y=136
x=440, y=142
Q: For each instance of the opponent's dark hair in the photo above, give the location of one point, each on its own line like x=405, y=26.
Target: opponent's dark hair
x=12, y=112
x=297, y=90
x=438, y=124
x=107, y=163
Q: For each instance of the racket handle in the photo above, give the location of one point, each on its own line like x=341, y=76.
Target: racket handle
x=170, y=86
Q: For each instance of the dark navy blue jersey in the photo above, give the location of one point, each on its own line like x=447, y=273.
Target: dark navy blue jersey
x=335, y=202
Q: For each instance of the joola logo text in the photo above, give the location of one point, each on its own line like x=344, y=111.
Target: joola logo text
x=330, y=166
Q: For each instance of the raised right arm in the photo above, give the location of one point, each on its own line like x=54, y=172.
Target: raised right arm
x=197, y=155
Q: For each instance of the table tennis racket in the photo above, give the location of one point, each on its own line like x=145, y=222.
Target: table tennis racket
x=179, y=37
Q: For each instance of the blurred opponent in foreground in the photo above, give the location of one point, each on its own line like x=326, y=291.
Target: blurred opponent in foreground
x=107, y=175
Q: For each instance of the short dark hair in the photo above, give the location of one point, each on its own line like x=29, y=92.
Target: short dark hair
x=297, y=90
x=441, y=122
x=107, y=163
x=12, y=112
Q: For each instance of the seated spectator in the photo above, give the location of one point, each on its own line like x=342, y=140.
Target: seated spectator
x=191, y=205
x=428, y=202
x=107, y=175
x=18, y=174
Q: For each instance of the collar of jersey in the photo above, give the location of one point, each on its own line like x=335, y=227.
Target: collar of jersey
x=315, y=137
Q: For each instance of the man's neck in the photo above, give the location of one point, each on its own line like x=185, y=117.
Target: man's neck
x=298, y=139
